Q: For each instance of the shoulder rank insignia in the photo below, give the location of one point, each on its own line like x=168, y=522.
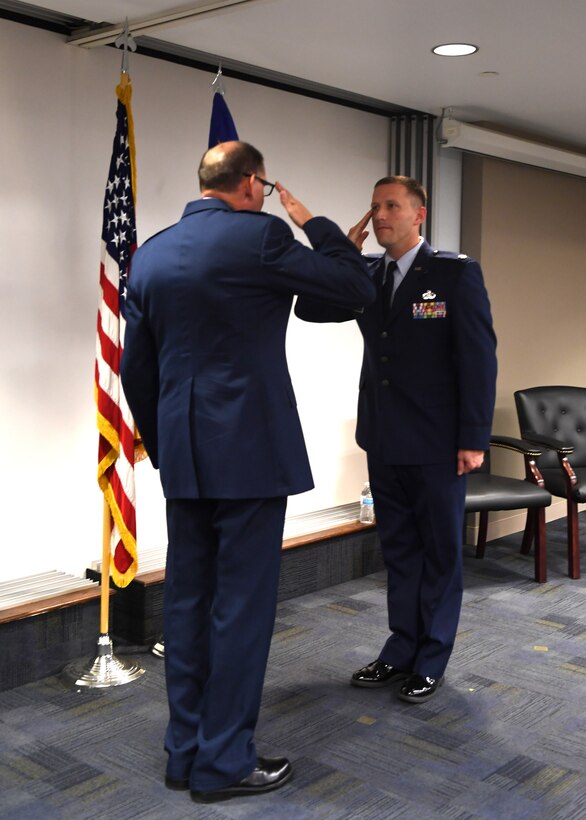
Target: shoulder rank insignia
x=429, y=294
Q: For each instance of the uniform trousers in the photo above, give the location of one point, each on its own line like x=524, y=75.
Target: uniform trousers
x=420, y=517
x=221, y=586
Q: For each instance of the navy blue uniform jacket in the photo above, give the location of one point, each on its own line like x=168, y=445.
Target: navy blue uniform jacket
x=204, y=367
x=427, y=386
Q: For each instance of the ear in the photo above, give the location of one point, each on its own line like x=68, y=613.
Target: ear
x=246, y=186
x=421, y=214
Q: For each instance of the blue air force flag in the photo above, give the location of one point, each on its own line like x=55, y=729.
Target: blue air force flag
x=222, y=126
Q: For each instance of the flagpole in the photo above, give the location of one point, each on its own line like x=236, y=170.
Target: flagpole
x=105, y=571
x=118, y=516
x=106, y=669
x=124, y=79
x=222, y=129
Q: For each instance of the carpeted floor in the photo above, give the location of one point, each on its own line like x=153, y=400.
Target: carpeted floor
x=505, y=738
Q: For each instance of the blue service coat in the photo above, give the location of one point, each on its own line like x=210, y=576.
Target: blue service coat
x=427, y=385
x=204, y=368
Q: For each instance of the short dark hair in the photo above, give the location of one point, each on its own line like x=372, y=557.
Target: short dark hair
x=225, y=174
x=413, y=187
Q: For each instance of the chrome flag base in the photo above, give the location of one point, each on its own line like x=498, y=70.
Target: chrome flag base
x=158, y=649
x=106, y=670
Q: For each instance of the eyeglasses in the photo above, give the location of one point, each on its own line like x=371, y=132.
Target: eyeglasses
x=268, y=187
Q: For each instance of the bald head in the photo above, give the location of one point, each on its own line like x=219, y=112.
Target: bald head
x=223, y=166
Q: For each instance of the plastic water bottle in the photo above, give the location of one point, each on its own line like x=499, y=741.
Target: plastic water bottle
x=366, y=505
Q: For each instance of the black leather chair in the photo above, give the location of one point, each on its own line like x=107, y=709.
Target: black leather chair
x=555, y=417
x=486, y=493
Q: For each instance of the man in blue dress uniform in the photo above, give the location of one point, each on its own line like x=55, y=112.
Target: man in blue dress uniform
x=426, y=400
x=205, y=374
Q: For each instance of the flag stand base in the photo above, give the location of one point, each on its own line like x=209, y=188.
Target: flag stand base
x=158, y=649
x=106, y=670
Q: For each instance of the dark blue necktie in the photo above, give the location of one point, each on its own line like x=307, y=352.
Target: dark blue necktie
x=388, y=286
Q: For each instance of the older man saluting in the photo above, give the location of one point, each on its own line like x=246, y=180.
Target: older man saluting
x=205, y=373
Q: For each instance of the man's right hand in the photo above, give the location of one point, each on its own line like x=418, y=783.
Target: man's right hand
x=296, y=210
x=358, y=233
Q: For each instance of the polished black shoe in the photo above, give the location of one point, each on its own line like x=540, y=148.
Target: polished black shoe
x=377, y=673
x=176, y=785
x=418, y=688
x=270, y=773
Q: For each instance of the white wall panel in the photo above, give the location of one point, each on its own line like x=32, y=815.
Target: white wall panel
x=58, y=118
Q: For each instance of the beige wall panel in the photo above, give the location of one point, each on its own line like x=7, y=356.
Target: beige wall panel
x=527, y=228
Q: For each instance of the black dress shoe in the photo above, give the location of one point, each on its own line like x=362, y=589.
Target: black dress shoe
x=418, y=688
x=176, y=785
x=377, y=673
x=270, y=773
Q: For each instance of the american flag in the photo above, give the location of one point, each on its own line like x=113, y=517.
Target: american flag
x=118, y=437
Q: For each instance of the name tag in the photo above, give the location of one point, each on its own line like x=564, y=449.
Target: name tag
x=429, y=310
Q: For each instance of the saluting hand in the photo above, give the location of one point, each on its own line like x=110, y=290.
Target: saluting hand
x=296, y=210
x=358, y=233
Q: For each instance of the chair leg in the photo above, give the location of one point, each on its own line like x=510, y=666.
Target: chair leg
x=540, y=549
x=529, y=533
x=573, y=542
x=482, y=531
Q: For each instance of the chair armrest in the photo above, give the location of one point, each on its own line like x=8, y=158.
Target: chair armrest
x=526, y=448
x=549, y=442
x=562, y=450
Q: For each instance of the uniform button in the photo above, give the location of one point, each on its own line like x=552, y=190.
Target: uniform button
x=385, y=382
x=384, y=334
x=384, y=359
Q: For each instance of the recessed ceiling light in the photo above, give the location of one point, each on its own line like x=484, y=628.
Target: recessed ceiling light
x=454, y=49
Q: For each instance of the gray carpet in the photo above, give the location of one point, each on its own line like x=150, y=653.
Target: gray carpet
x=504, y=738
